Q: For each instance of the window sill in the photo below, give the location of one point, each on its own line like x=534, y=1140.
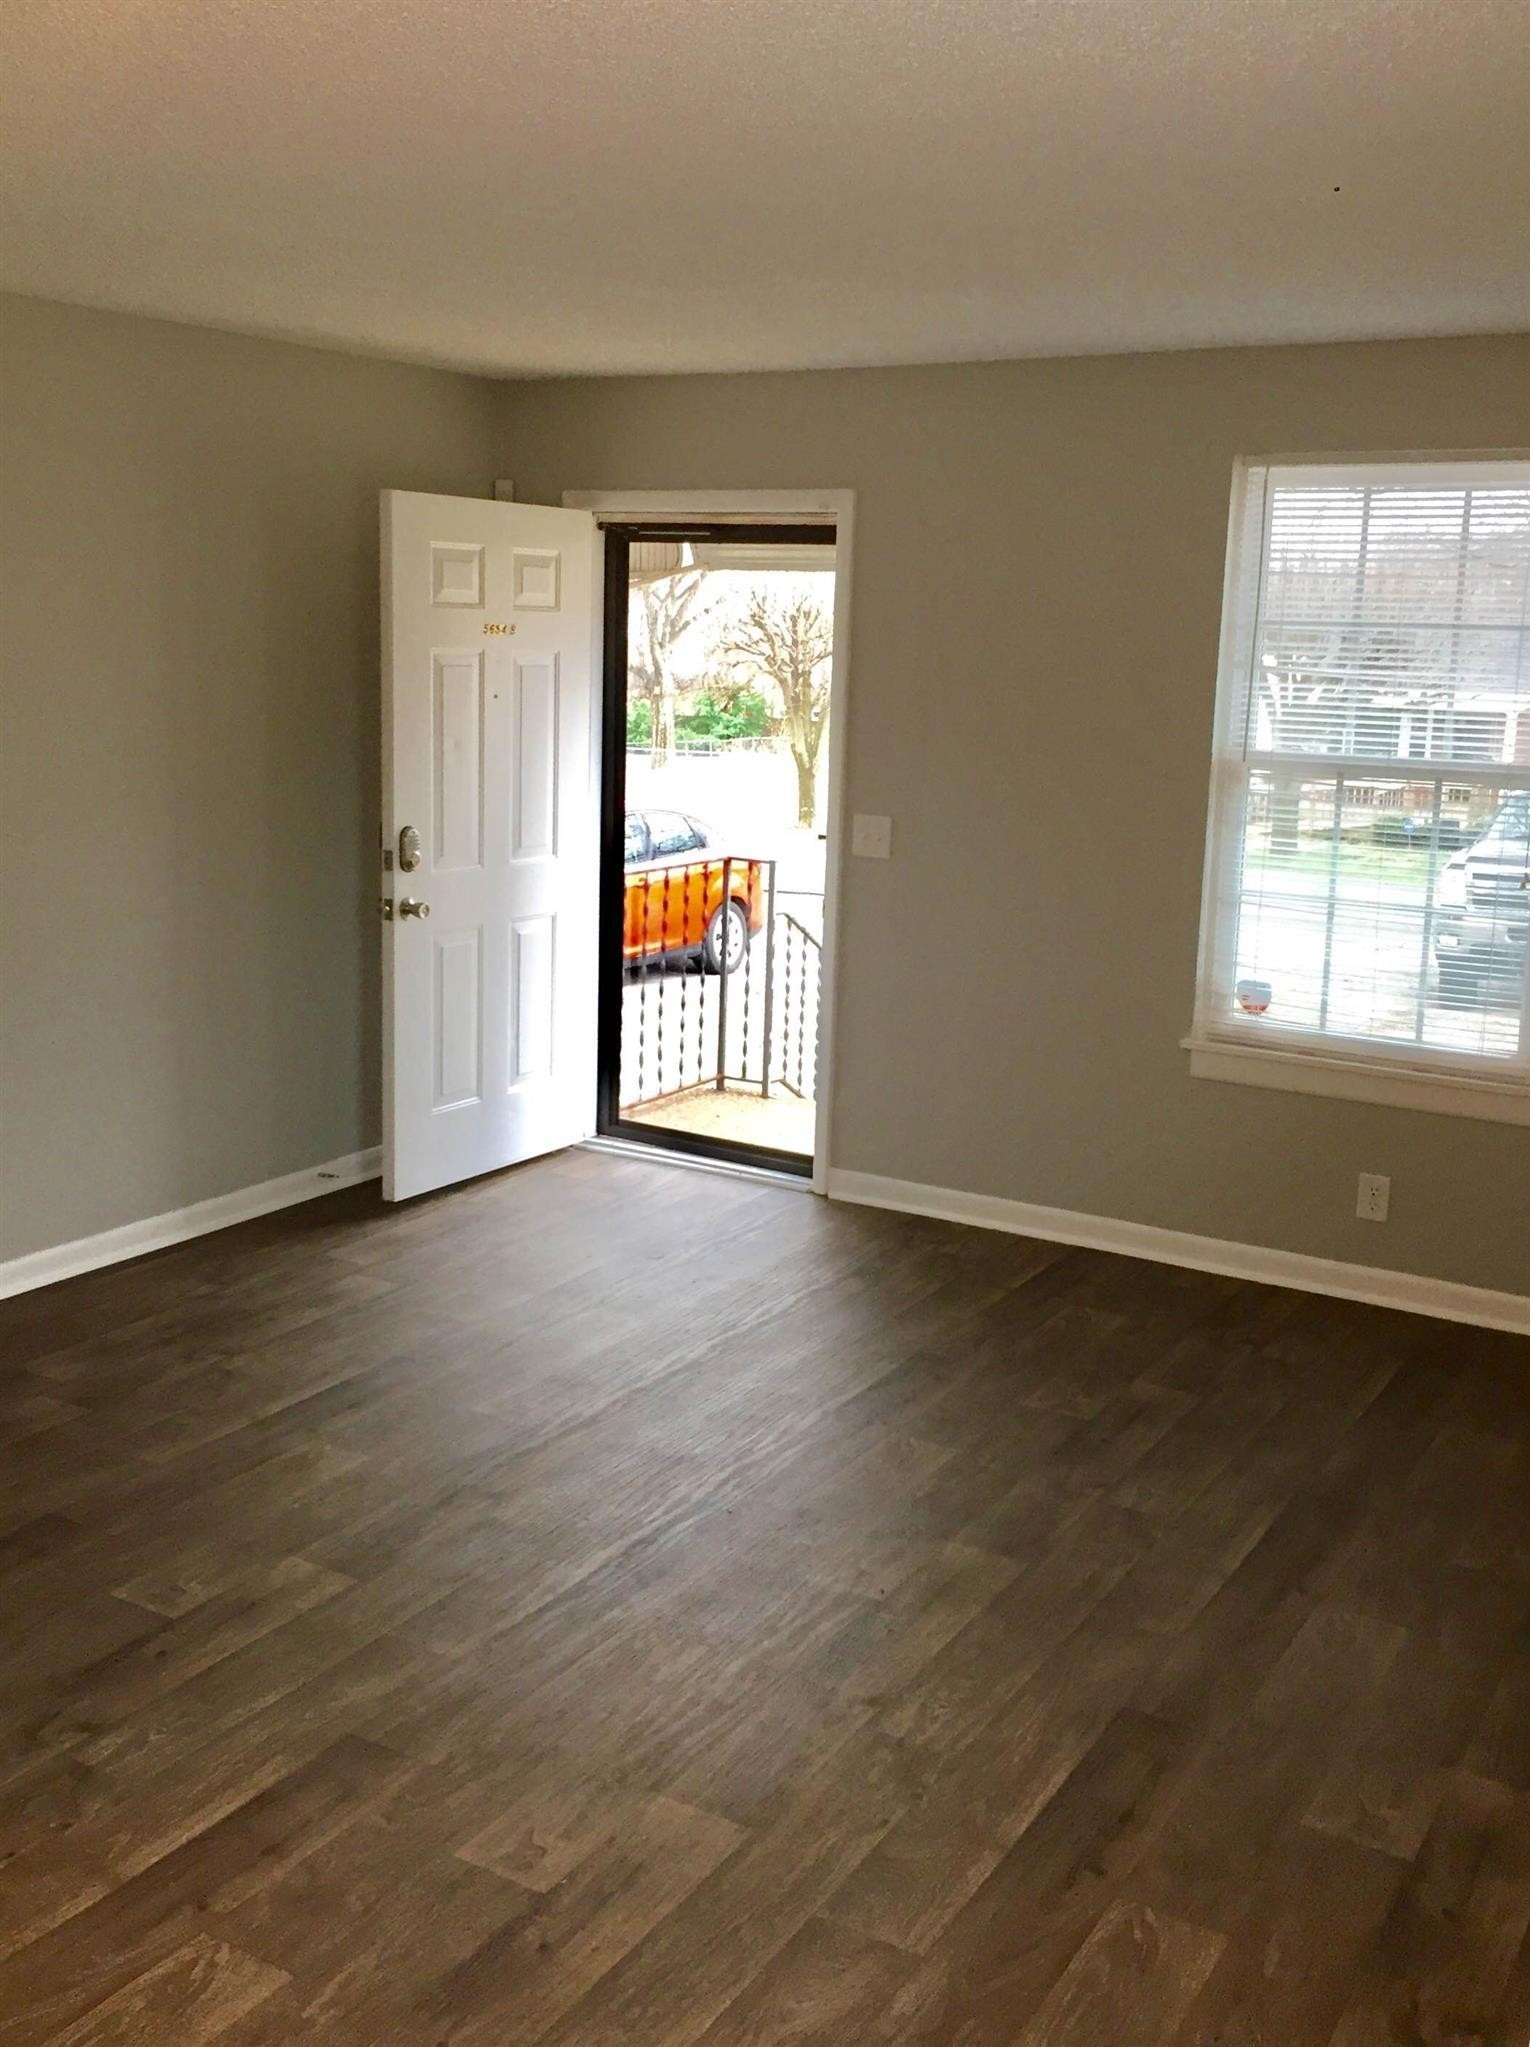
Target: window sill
x=1356, y=1080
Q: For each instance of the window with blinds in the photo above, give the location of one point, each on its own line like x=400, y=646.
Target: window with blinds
x=1368, y=868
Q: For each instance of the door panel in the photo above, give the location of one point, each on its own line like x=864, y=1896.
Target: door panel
x=459, y=761
x=535, y=835
x=488, y=753
x=531, y=1010
x=459, y=1019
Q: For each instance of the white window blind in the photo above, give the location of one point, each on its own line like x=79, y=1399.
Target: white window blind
x=1368, y=868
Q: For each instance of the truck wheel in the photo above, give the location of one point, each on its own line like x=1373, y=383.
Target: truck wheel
x=1460, y=988
x=735, y=919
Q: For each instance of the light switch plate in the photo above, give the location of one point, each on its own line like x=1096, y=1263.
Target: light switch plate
x=871, y=837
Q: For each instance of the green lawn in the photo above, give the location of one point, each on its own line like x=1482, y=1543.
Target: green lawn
x=1359, y=860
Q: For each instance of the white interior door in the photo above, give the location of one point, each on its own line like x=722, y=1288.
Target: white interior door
x=489, y=761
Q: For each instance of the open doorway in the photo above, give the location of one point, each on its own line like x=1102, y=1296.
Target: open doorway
x=719, y=644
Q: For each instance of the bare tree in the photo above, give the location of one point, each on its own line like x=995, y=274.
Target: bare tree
x=786, y=641
x=668, y=611
x=1328, y=692
x=1295, y=699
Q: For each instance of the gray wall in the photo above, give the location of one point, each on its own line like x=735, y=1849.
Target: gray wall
x=188, y=758
x=189, y=753
x=1038, y=575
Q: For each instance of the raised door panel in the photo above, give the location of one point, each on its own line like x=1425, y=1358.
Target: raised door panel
x=533, y=995
x=536, y=579
x=457, y=744
x=456, y=575
x=535, y=739
x=458, y=1019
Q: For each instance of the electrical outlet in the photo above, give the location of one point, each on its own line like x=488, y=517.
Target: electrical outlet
x=871, y=837
x=1375, y=1193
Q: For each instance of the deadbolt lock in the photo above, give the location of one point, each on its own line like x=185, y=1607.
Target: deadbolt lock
x=409, y=855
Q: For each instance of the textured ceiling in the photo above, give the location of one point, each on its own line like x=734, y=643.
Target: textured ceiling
x=573, y=185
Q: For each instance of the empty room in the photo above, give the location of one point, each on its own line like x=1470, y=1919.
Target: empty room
x=765, y=1041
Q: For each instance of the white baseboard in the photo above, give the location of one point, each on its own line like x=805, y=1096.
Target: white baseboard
x=132, y=1240
x=1412, y=1292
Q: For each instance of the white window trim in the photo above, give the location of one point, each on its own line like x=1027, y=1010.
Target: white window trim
x=1404, y=1077
x=1358, y=1080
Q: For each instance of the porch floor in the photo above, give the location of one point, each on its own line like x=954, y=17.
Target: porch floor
x=741, y=1114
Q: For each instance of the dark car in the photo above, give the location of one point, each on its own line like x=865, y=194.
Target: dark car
x=1482, y=920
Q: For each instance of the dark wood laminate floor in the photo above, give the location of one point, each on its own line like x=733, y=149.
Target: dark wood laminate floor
x=619, y=1606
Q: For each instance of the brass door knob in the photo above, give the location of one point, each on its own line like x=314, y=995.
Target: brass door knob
x=408, y=907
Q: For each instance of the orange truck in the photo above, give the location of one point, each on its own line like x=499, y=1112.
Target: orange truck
x=683, y=896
